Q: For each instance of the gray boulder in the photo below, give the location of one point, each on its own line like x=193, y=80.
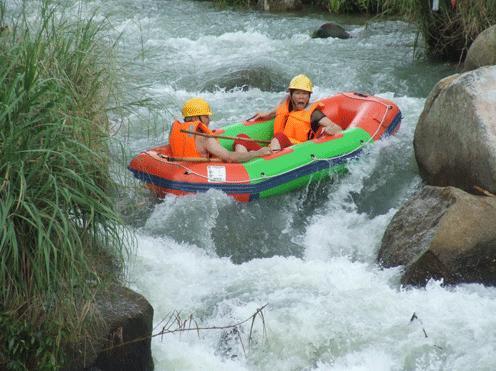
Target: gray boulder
x=120, y=338
x=331, y=30
x=443, y=233
x=279, y=5
x=482, y=52
x=455, y=138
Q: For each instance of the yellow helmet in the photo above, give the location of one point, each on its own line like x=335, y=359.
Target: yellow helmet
x=196, y=107
x=301, y=82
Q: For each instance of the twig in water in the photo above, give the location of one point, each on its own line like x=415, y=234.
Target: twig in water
x=414, y=317
x=175, y=317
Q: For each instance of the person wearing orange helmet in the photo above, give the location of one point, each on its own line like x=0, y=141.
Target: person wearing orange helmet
x=196, y=113
x=296, y=120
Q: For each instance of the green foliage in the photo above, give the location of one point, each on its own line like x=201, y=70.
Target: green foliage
x=450, y=32
x=23, y=347
x=57, y=216
x=401, y=7
x=236, y=3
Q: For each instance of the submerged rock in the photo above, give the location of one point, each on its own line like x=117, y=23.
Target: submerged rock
x=331, y=30
x=455, y=138
x=482, y=52
x=261, y=77
x=443, y=233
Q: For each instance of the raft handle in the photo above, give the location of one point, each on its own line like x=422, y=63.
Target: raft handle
x=312, y=156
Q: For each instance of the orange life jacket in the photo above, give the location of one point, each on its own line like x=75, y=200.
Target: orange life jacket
x=297, y=126
x=282, y=113
x=184, y=144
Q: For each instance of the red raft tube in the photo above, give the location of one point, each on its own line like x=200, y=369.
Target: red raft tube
x=364, y=119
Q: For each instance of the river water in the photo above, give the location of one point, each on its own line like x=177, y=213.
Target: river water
x=308, y=256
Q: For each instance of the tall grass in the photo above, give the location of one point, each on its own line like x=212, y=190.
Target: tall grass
x=370, y=6
x=450, y=32
x=60, y=238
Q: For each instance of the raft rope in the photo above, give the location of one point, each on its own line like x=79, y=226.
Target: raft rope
x=313, y=159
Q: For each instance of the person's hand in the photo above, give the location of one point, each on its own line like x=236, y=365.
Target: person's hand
x=256, y=116
x=260, y=116
x=264, y=151
x=331, y=130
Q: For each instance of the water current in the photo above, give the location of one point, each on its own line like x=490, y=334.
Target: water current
x=309, y=256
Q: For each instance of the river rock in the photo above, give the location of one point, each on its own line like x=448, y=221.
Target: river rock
x=124, y=316
x=482, y=52
x=455, y=138
x=331, y=30
x=264, y=78
x=279, y=5
x=443, y=233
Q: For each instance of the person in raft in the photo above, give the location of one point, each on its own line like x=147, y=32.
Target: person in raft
x=196, y=113
x=296, y=120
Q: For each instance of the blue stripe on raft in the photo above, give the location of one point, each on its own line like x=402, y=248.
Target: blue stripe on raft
x=394, y=124
x=252, y=189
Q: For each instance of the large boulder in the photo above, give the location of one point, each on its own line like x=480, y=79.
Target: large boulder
x=279, y=5
x=121, y=337
x=331, y=30
x=455, y=138
x=443, y=233
x=482, y=52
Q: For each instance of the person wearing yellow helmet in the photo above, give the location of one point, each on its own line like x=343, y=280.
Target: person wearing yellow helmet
x=196, y=113
x=296, y=120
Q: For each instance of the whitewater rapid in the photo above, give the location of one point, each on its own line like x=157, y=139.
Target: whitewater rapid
x=309, y=256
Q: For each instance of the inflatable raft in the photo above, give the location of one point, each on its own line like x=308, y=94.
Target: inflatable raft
x=364, y=119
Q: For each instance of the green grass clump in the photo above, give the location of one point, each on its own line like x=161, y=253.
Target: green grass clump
x=61, y=239
x=450, y=32
x=370, y=6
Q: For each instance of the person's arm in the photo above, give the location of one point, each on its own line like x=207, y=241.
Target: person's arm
x=330, y=127
x=215, y=149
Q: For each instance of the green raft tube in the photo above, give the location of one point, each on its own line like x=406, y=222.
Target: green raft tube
x=364, y=119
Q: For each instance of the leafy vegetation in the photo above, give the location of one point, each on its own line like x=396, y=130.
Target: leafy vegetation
x=61, y=239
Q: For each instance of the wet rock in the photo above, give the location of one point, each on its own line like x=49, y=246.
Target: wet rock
x=455, y=138
x=482, y=52
x=279, y=5
x=261, y=77
x=125, y=316
x=331, y=30
x=443, y=233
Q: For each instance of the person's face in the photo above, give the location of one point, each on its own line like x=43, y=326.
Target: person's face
x=300, y=99
x=205, y=119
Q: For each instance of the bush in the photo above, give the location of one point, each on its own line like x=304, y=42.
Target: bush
x=56, y=211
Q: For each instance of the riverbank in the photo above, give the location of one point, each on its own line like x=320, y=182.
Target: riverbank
x=448, y=26
x=62, y=243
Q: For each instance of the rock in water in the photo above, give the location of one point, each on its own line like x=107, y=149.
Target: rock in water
x=482, y=52
x=443, y=233
x=331, y=30
x=455, y=138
